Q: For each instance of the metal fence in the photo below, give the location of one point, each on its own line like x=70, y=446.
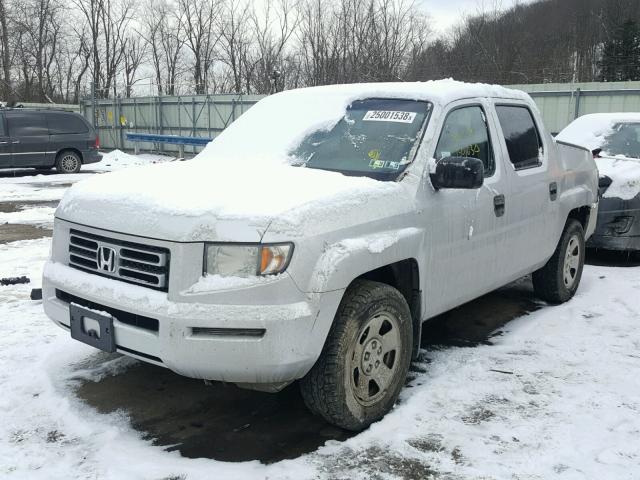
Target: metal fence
x=208, y=115
x=561, y=103
x=195, y=116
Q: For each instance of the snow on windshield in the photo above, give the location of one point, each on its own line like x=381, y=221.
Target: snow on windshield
x=278, y=124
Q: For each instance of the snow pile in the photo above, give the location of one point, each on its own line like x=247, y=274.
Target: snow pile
x=32, y=189
x=117, y=160
x=377, y=243
x=591, y=131
x=556, y=397
x=625, y=176
x=37, y=216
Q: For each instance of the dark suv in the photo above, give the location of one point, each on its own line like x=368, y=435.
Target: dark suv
x=44, y=139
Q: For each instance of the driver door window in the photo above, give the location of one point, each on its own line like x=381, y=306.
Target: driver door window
x=465, y=134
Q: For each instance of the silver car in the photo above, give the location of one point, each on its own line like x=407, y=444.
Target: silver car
x=314, y=236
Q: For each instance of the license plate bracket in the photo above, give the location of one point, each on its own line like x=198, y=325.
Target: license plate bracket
x=99, y=334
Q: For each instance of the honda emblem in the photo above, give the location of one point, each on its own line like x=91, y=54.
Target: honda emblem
x=106, y=259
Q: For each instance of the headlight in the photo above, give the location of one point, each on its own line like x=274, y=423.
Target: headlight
x=229, y=260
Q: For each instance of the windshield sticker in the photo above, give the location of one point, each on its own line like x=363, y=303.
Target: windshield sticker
x=376, y=164
x=374, y=154
x=389, y=116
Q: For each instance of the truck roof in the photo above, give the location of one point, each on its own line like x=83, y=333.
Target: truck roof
x=439, y=92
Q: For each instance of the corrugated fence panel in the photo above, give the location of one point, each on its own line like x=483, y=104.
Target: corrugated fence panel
x=561, y=103
x=194, y=116
x=207, y=115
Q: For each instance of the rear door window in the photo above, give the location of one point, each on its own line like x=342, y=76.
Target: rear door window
x=521, y=134
x=465, y=134
x=65, y=123
x=623, y=140
x=25, y=124
x=3, y=132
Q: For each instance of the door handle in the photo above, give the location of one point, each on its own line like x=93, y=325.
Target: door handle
x=3, y=143
x=553, y=191
x=15, y=141
x=499, y=205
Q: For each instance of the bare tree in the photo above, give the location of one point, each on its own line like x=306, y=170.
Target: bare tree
x=274, y=28
x=134, y=54
x=235, y=40
x=198, y=18
x=162, y=31
x=6, y=89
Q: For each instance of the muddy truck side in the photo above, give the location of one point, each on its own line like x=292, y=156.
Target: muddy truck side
x=311, y=240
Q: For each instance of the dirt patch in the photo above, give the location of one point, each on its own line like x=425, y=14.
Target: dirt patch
x=476, y=322
x=51, y=184
x=377, y=464
x=218, y=421
x=14, y=232
x=11, y=207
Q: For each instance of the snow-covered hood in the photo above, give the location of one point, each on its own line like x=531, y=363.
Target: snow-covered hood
x=624, y=174
x=193, y=201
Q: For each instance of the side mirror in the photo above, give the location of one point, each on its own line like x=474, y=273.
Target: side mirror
x=458, y=172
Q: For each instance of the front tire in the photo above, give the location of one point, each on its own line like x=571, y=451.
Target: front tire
x=365, y=359
x=559, y=279
x=68, y=162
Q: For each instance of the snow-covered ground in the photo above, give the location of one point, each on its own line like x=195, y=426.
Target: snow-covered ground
x=557, y=395
x=26, y=185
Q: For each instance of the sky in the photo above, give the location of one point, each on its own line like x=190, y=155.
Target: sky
x=446, y=13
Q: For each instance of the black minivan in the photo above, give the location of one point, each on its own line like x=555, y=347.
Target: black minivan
x=44, y=139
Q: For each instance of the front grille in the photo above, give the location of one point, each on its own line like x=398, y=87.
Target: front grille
x=127, y=261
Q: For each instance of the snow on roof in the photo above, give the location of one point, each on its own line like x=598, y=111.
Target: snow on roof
x=591, y=130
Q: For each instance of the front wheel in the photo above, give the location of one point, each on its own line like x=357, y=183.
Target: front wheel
x=365, y=360
x=558, y=280
x=68, y=162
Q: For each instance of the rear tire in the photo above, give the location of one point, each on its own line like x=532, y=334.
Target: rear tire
x=365, y=359
x=559, y=279
x=68, y=162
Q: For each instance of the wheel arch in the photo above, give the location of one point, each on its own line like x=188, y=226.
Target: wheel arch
x=403, y=275
x=581, y=214
x=70, y=149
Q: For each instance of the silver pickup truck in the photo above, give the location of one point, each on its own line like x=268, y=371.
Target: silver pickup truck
x=315, y=235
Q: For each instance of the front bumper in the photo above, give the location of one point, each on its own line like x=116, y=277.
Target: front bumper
x=200, y=335
x=618, y=226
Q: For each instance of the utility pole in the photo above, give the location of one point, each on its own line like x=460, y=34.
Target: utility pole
x=93, y=105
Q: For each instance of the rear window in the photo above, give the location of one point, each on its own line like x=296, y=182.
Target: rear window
x=623, y=140
x=66, y=123
x=521, y=134
x=25, y=124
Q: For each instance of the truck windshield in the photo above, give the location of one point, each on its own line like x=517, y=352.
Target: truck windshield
x=376, y=138
x=624, y=140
